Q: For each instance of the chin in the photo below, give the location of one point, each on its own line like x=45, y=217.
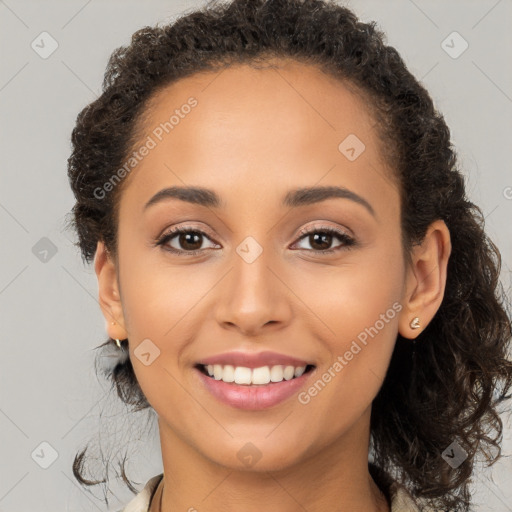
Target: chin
x=257, y=455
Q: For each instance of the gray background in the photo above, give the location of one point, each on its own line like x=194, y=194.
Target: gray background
x=51, y=320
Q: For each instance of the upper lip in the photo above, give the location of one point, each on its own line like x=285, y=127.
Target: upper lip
x=253, y=360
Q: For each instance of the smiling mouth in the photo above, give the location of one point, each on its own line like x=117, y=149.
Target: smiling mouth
x=204, y=371
x=245, y=391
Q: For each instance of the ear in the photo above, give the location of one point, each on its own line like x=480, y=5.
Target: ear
x=109, y=295
x=425, y=279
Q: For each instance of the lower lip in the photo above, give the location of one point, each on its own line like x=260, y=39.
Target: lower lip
x=253, y=397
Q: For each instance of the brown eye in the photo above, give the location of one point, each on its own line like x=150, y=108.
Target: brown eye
x=189, y=241
x=321, y=238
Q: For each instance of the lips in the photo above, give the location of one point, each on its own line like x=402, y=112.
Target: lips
x=254, y=360
x=253, y=397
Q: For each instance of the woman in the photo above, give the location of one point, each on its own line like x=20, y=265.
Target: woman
x=290, y=270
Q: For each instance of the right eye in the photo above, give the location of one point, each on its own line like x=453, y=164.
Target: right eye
x=186, y=237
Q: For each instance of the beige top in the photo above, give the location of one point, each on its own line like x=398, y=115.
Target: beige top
x=400, y=499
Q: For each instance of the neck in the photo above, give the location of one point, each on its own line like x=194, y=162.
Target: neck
x=335, y=477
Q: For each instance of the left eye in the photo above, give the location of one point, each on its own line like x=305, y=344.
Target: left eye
x=191, y=239
x=323, y=236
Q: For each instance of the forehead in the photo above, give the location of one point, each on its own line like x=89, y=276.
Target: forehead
x=285, y=126
x=283, y=96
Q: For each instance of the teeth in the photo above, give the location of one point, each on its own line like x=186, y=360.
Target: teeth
x=262, y=375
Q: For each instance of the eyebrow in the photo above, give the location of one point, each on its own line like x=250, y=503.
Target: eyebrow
x=292, y=199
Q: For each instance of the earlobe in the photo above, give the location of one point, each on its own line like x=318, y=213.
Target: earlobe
x=108, y=293
x=426, y=280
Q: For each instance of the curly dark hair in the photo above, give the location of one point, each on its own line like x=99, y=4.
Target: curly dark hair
x=443, y=388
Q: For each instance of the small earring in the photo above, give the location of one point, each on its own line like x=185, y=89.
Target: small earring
x=415, y=323
x=118, y=342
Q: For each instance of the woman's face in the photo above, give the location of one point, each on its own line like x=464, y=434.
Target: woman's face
x=254, y=137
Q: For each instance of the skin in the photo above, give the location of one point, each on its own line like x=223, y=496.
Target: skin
x=254, y=135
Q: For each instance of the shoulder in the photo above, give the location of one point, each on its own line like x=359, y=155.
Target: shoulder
x=399, y=498
x=140, y=503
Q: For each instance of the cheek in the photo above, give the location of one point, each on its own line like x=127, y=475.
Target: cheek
x=158, y=295
x=362, y=320
x=159, y=304
x=358, y=305
x=352, y=295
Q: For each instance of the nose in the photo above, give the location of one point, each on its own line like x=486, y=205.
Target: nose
x=253, y=297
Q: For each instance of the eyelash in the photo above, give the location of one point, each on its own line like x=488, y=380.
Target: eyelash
x=348, y=242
